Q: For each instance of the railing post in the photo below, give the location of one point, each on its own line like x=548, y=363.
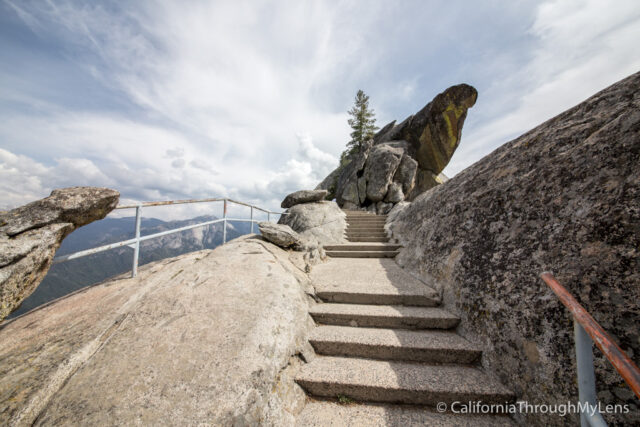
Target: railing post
x=268, y=216
x=252, y=219
x=136, y=248
x=586, y=377
x=224, y=226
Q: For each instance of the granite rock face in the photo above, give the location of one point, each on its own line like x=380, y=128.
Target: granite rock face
x=207, y=338
x=318, y=222
x=303, y=196
x=564, y=197
x=31, y=234
x=411, y=154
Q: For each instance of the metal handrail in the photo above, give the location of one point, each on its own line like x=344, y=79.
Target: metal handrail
x=587, y=331
x=135, y=242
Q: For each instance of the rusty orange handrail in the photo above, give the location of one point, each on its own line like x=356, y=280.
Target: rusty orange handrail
x=618, y=358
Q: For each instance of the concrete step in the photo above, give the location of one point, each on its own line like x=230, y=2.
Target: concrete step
x=394, y=344
x=366, y=234
x=402, y=382
x=383, y=316
x=362, y=254
x=360, y=239
x=363, y=214
x=357, y=237
x=363, y=247
x=377, y=281
x=366, y=228
x=322, y=413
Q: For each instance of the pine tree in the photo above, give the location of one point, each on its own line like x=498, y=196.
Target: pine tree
x=362, y=122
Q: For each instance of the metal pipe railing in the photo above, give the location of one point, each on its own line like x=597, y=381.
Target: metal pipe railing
x=135, y=242
x=587, y=332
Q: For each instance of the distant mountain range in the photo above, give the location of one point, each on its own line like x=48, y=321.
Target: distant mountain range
x=72, y=275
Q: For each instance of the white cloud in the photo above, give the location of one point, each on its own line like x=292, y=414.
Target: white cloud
x=231, y=100
x=580, y=47
x=247, y=99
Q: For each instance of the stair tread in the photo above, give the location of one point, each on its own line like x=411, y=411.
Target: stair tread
x=383, y=315
x=363, y=246
x=409, y=382
x=319, y=413
x=396, y=344
x=370, y=281
x=361, y=239
x=362, y=254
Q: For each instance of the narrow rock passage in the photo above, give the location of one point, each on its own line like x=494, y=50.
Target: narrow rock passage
x=383, y=344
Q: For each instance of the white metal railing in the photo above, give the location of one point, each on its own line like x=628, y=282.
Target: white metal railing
x=135, y=242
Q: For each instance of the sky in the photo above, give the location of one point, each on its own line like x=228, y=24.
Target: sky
x=166, y=100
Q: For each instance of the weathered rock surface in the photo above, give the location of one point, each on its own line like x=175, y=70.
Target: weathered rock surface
x=279, y=234
x=322, y=222
x=31, y=234
x=563, y=197
x=380, y=168
x=303, y=196
x=411, y=154
x=207, y=338
x=284, y=237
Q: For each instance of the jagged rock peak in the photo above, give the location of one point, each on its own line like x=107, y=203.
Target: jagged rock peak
x=403, y=160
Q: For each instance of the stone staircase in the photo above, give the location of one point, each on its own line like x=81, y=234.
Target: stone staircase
x=382, y=343
x=366, y=236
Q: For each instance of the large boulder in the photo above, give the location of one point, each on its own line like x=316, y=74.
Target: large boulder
x=435, y=131
x=380, y=169
x=347, y=182
x=280, y=235
x=303, y=196
x=31, y=234
x=208, y=338
x=412, y=154
x=563, y=197
x=322, y=222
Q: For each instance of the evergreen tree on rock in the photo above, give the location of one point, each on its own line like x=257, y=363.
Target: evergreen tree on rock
x=362, y=122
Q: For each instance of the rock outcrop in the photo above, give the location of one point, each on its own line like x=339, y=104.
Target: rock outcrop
x=404, y=160
x=563, y=197
x=303, y=196
x=280, y=235
x=320, y=222
x=207, y=338
x=31, y=234
x=284, y=237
